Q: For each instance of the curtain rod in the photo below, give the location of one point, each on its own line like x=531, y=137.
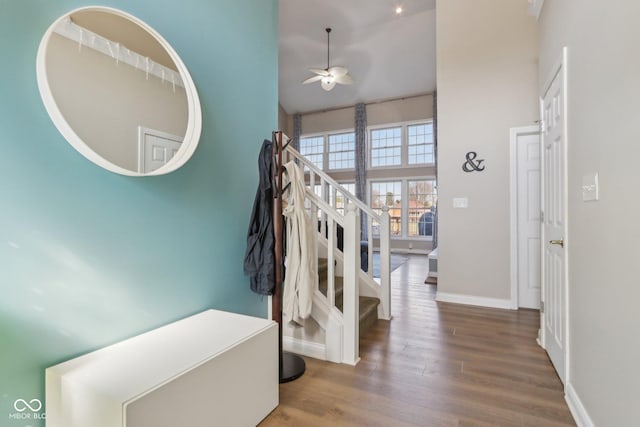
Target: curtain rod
x=379, y=101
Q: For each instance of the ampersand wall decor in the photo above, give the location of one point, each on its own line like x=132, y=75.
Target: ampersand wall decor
x=472, y=164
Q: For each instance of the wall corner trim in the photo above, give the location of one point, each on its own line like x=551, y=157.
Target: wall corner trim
x=506, y=304
x=577, y=409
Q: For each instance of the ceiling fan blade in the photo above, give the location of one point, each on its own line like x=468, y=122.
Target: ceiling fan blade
x=312, y=79
x=328, y=84
x=338, y=71
x=344, y=80
x=319, y=71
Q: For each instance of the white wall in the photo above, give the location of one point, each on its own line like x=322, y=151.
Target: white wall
x=602, y=244
x=393, y=111
x=487, y=83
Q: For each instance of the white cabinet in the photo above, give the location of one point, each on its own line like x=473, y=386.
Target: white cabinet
x=211, y=369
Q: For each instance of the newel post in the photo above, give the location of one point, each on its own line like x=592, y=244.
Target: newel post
x=384, y=309
x=351, y=309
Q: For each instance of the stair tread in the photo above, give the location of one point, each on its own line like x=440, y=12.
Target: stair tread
x=339, y=286
x=368, y=306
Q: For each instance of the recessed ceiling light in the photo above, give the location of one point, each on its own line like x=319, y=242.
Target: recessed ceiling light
x=398, y=10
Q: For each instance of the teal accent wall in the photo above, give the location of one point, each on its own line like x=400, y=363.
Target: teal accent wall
x=88, y=257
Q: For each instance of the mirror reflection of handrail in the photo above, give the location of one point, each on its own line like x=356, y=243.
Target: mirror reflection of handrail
x=84, y=37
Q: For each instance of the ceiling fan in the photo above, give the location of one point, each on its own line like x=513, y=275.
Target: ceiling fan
x=329, y=76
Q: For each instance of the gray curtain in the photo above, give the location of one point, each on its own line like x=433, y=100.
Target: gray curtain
x=361, y=160
x=435, y=157
x=297, y=131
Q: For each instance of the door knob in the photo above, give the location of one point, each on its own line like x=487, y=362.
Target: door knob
x=557, y=242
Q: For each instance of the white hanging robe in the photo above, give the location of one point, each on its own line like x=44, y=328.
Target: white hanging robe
x=299, y=278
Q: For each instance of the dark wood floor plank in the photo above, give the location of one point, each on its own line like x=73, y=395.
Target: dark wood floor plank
x=433, y=364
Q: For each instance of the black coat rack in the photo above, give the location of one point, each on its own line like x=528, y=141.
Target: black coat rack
x=292, y=366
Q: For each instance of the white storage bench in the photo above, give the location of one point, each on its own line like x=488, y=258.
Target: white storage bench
x=211, y=369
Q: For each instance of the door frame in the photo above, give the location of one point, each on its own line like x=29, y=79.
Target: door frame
x=559, y=67
x=514, y=133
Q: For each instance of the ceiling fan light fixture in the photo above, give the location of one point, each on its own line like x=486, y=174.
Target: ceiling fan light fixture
x=328, y=83
x=329, y=76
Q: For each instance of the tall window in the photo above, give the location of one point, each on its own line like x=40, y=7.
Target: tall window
x=410, y=203
x=313, y=149
x=420, y=144
x=422, y=199
x=386, y=147
x=330, y=151
x=407, y=144
x=388, y=194
x=342, y=150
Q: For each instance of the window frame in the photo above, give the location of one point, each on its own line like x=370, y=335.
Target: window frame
x=328, y=151
x=325, y=148
x=370, y=148
x=404, y=197
x=322, y=153
x=404, y=144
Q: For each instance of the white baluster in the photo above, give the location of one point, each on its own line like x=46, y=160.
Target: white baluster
x=351, y=292
x=370, y=246
x=384, y=309
x=331, y=274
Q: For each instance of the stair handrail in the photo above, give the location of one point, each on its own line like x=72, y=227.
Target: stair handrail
x=352, y=198
x=384, y=287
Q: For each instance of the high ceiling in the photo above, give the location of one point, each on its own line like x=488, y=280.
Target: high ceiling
x=388, y=55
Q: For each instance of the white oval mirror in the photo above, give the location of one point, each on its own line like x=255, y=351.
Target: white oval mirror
x=118, y=92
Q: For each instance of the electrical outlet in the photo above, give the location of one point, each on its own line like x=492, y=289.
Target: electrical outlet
x=460, y=202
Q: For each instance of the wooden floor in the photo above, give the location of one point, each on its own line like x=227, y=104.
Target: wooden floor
x=434, y=364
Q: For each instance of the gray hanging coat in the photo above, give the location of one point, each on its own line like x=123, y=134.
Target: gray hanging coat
x=259, y=262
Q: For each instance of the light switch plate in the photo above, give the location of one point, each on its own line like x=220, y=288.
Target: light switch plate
x=460, y=202
x=590, y=187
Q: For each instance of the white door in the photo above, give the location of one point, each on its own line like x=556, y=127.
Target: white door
x=155, y=148
x=554, y=270
x=527, y=152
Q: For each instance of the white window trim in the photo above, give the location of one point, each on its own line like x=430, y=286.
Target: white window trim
x=325, y=147
x=404, y=188
x=404, y=144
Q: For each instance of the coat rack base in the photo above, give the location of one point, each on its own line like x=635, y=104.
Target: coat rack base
x=293, y=367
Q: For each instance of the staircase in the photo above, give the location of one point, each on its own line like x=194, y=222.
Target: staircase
x=368, y=306
x=347, y=299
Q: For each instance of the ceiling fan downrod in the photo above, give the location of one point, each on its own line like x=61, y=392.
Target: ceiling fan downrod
x=328, y=30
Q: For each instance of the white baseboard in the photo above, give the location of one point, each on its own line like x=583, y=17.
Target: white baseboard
x=473, y=300
x=304, y=348
x=577, y=409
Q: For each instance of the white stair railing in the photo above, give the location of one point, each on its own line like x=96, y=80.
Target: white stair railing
x=376, y=229
x=350, y=313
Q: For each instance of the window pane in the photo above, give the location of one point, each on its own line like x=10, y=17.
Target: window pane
x=422, y=198
x=385, y=147
x=420, y=142
x=338, y=199
x=388, y=194
x=342, y=151
x=313, y=149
